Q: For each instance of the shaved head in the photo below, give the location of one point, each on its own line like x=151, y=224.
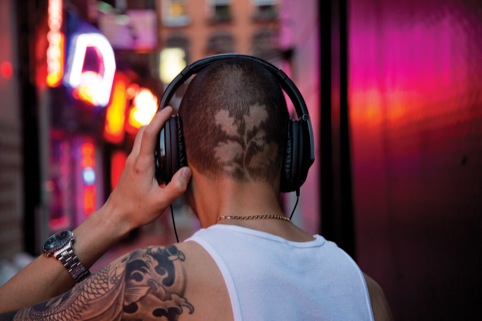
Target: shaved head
x=235, y=121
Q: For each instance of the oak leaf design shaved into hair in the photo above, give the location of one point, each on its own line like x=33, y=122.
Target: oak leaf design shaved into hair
x=226, y=122
x=244, y=153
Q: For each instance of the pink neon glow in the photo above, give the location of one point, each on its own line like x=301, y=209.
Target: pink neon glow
x=99, y=88
x=414, y=72
x=6, y=69
x=59, y=183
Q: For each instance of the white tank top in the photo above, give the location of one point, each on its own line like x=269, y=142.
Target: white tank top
x=270, y=278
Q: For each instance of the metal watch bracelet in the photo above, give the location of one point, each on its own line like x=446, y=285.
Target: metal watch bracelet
x=76, y=269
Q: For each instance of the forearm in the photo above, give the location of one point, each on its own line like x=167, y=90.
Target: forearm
x=134, y=284
x=46, y=277
x=82, y=302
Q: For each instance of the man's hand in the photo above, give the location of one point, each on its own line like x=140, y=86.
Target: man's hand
x=138, y=199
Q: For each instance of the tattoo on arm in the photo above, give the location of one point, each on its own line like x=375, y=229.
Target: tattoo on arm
x=143, y=285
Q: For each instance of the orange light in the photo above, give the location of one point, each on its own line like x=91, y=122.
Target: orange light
x=371, y=106
x=89, y=199
x=86, y=90
x=87, y=151
x=55, y=59
x=115, y=115
x=132, y=91
x=56, y=40
x=143, y=110
x=87, y=167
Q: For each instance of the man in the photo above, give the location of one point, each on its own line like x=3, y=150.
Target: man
x=248, y=262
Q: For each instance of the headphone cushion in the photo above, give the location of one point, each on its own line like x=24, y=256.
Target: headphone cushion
x=170, y=150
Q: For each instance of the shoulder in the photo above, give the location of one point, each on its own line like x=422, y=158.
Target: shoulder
x=172, y=265
x=179, y=261
x=180, y=275
x=380, y=307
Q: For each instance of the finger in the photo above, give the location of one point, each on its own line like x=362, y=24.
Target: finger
x=177, y=186
x=137, y=142
x=151, y=133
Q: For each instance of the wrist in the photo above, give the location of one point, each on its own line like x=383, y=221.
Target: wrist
x=60, y=246
x=98, y=233
x=114, y=222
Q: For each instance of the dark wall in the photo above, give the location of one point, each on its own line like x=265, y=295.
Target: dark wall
x=415, y=102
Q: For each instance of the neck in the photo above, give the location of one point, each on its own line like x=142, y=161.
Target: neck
x=214, y=199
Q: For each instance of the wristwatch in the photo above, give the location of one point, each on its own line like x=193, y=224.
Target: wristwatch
x=59, y=245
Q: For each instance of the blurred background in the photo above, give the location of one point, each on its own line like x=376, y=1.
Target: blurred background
x=394, y=90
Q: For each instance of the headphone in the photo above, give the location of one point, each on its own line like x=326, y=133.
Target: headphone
x=170, y=153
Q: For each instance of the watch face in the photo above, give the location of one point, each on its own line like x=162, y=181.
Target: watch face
x=57, y=241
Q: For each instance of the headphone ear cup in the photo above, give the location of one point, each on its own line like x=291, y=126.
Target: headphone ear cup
x=290, y=161
x=170, y=150
x=296, y=161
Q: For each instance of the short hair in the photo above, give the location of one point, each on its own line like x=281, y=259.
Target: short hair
x=235, y=121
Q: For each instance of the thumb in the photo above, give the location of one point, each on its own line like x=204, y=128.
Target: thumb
x=182, y=177
x=178, y=184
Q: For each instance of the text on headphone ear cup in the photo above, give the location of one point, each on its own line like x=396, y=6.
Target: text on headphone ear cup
x=182, y=159
x=290, y=161
x=297, y=160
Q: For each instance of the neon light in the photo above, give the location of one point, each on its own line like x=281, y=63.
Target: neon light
x=89, y=199
x=87, y=164
x=144, y=108
x=115, y=114
x=117, y=163
x=132, y=91
x=55, y=50
x=94, y=89
x=85, y=91
x=6, y=69
x=88, y=174
x=87, y=152
x=58, y=185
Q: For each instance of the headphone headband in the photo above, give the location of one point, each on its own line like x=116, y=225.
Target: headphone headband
x=286, y=84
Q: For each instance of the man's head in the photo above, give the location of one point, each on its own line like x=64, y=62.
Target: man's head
x=235, y=121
